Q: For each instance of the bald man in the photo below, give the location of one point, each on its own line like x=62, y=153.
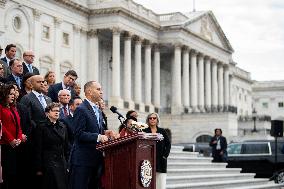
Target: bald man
x=28, y=57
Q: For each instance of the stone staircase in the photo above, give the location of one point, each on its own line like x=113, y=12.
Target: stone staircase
x=189, y=170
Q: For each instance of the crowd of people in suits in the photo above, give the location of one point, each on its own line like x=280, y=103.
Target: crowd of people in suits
x=49, y=133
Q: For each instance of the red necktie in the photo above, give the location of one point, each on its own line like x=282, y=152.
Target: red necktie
x=65, y=111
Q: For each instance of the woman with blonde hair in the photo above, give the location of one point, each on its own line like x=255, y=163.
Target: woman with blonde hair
x=50, y=77
x=163, y=148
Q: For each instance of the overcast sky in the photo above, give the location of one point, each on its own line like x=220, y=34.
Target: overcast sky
x=255, y=29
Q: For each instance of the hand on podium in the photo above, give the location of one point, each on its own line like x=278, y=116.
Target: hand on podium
x=111, y=134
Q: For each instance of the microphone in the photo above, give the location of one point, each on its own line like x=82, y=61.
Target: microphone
x=114, y=110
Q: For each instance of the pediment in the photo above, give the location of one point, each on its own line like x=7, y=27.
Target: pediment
x=206, y=26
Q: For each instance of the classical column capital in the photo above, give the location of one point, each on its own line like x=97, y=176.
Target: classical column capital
x=116, y=30
x=147, y=43
x=214, y=61
x=128, y=35
x=193, y=52
x=76, y=28
x=186, y=49
x=92, y=33
x=200, y=55
x=57, y=21
x=37, y=13
x=207, y=57
x=138, y=39
x=220, y=64
x=156, y=47
x=3, y=3
x=178, y=46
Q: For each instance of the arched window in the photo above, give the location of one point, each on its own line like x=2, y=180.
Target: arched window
x=203, y=139
x=46, y=64
x=64, y=67
x=18, y=52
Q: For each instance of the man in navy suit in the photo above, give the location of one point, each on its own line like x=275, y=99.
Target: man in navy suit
x=86, y=161
x=67, y=83
x=16, y=72
x=10, y=52
x=219, y=146
x=28, y=57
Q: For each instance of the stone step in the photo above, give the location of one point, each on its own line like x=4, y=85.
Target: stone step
x=269, y=185
x=184, y=154
x=202, y=171
x=219, y=184
x=207, y=178
x=177, y=165
x=183, y=159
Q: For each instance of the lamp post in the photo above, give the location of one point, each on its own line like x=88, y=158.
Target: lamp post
x=254, y=119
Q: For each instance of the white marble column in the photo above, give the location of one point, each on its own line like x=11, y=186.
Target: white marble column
x=207, y=84
x=93, y=62
x=176, y=107
x=115, y=93
x=201, y=82
x=148, y=74
x=226, y=88
x=193, y=81
x=127, y=85
x=57, y=47
x=220, y=87
x=214, y=86
x=76, y=50
x=185, y=77
x=138, y=70
x=156, y=87
x=37, y=37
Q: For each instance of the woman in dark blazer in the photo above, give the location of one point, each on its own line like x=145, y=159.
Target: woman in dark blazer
x=163, y=148
x=11, y=137
x=51, y=146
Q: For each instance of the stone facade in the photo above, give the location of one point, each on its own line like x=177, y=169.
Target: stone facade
x=179, y=65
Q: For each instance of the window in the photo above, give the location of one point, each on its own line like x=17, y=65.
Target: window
x=17, y=23
x=64, y=67
x=46, y=64
x=46, y=32
x=65, y=38
x=280, y=104
x=203, y=138
x=265, y=104
x=245, y=98
x=240, y=96
x=234, y=148
x=255, y=149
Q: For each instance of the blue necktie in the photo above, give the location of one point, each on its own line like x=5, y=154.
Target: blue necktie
x=41, y=100
x=30, y=68
x=18, y=80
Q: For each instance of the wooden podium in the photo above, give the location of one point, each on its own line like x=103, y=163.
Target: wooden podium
x=130, y=162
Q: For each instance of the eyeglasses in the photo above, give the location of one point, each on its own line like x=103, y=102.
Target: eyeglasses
x=55, y=110
x=40, y=81
x=152, y=118
x=30, y=55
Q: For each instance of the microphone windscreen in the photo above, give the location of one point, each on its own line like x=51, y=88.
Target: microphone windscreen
x=113, y=109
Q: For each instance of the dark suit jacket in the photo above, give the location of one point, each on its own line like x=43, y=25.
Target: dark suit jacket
x=68, y=121
x=12, y=79
x=35, y=108
x=163, y=149
x=54, y=89
x=26, y=70
x=84, y=152
x=223, y=144
x=6, y=67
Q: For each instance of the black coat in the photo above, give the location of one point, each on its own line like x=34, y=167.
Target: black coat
x=223, y=144
x=163, y=149
x=51, y=146
x=26, y=70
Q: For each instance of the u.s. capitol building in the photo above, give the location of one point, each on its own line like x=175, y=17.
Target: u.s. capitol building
x=177, y=64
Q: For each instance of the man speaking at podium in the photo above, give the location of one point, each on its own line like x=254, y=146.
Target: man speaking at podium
x=86, y=162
